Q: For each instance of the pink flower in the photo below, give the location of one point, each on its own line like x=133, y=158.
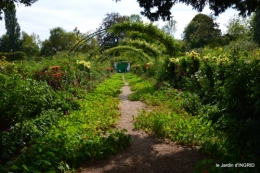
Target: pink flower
x=72, y=98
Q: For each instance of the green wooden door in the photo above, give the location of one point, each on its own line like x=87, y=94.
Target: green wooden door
x=121, y=67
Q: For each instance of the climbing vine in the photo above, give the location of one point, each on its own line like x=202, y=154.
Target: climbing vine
x=172, y=47
x=148, y=48
x=139, y=52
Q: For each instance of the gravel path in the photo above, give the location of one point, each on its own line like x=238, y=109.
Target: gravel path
x=146, y=154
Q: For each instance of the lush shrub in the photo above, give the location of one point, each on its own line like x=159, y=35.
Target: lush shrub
x=13, y=56
x=7, y=67
x=20, y=135
x=213, y=95
x=58, y=142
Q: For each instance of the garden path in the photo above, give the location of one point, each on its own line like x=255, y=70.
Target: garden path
x=146, y=154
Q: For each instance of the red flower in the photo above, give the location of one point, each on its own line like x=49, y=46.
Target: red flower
x=177, y=98
x=57, y=75
x=205, y=171
x=56, y=68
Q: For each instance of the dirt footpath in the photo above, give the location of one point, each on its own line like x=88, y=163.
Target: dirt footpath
x=146, y=154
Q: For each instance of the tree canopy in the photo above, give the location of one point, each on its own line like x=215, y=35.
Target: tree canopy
x=110, y=39
x=163, y=7
x=12, y=30
x=201, y=31
x=239, y=28
x=256, y=26
x=9, y=5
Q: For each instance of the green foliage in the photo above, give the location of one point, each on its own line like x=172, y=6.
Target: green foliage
x=148, y=48
x=12, y=30
x=189, y=131
x=135, y=18
x=256, y=25
x=59, y=141
x=170, y=27
x=169, y=119
x=201, y=31
x=109, y=39
x=238, y=28
x=238, y=47
x=172, y=47
x=7, y=67
x=129, y=48
x=13, y=56
x=29, y=44
x=21, y=134
x=25, y=99
x=10, y=5
x=223, y=105
x=155, y=10
x=62, y=40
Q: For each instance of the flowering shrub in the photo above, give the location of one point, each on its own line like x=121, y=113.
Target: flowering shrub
x=59, y=142
x=148, y=65
x=7, y=67
x=85, y=65
x=54, y=77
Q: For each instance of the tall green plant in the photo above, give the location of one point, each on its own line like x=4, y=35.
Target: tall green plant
x=256, y=26
x=12, y=30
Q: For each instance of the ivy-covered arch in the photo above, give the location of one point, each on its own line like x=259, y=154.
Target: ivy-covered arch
x=148, y=48
x=139, y=52
x=171, y=45
x=172, y=48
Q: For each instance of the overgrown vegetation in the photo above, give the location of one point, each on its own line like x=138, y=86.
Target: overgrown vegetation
x=57, y=116
x=208, y=100
x=59, y=111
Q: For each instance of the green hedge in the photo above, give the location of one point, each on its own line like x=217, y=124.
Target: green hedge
x=13, y=56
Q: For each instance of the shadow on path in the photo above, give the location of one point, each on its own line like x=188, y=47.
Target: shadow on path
x=152, y=156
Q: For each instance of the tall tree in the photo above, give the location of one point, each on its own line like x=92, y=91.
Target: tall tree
x=60, y=40
x=163, y=7
x=201, y=31
x=170, y=27
x=239, y=28
x=108, y=39
x=30, y=44
x=9, y=5
x=4, y=43
x=135, y=18
x=256, y=26
x=12, y=30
